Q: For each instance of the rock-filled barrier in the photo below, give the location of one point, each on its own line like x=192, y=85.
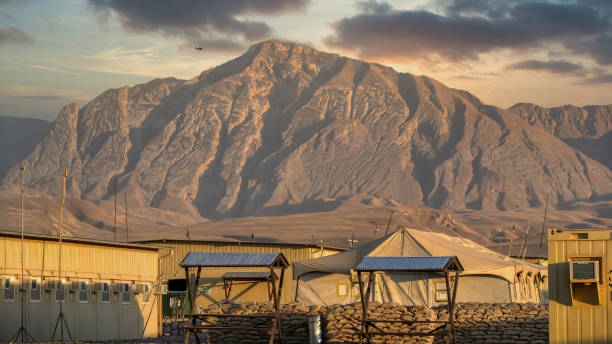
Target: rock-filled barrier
x=475, y=322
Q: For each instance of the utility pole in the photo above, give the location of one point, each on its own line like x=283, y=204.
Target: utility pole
x=524, y=248
x=511, y=240
x=389, y=223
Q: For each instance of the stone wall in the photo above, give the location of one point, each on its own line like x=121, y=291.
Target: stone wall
x=476, y=322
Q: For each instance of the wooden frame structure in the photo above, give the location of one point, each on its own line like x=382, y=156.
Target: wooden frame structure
x=248, y=277
x=434, y=265
x=199, y=260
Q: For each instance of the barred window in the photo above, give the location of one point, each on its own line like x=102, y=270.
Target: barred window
x=34, y=290
x=105, y=292
x=127, y=293
x=60, y=292
x=146, y=293
x=9, y=290
x=83, y=292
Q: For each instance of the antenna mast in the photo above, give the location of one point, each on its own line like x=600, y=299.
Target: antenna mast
x=61, y=320
x=544, y=221
x=127, y=232
x=389, y=223
x=115, y=231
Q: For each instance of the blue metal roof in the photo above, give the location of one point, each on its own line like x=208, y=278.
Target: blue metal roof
x=233, y=259
x=428, y=264
x=246, y=274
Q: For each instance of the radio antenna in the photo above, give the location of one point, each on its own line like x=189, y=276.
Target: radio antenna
x=61, y=320
x=544, y=221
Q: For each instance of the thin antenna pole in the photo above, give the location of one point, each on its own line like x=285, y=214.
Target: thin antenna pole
x=127, y=231
x=524, y=248
x=389, y=223
x=21, y=169
x=544, y=221
x=511, y=240
x=375, y=230
x=115, y=231
x=61, y=320
x=22, y=335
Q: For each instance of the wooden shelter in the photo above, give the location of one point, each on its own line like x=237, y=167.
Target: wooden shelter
x=448, y=266
x=270, y=261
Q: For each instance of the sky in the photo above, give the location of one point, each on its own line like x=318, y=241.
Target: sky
x=552, y=53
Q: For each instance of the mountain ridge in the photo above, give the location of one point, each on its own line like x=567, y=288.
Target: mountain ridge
x=286, y=124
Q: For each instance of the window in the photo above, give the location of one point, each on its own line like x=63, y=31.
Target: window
x=342, y=289
x=83, y=292
x=60, y=292
x=355, y=290
x=104, y=292
x=126, y=298
x=8, y=290
x=441, y=292
x=34, y=290
x=146, y=293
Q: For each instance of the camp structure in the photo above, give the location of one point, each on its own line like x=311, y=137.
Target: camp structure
x=487, y=275
x=104, y=290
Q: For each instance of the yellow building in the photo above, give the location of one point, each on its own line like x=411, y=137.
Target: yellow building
x=213, y=289
x=106, y=289
x=580, y=286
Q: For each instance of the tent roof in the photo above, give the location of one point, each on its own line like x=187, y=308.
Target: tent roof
x=476, y=259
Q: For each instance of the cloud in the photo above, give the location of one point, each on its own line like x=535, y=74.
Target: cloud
x=13, y=35
x=599, y=48
x=597, y=80
x=555, y=67
x=464, y=30
x=215, y=24
x=48, y=68
x=44, y=97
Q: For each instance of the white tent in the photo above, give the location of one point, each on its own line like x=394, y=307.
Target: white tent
x=487, y=276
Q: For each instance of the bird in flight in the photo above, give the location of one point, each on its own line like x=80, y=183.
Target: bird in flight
x=199, y=48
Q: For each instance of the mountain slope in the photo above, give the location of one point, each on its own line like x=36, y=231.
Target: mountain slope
x=285, y=124
x=18, y=137
x=588, y=128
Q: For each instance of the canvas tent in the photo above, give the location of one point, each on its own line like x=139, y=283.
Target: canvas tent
x=487, y=276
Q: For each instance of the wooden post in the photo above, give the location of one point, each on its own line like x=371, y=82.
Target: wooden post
x=275, y=323
x=364, y=310
x=196, y=283
x=454, y=301
x=280, y=294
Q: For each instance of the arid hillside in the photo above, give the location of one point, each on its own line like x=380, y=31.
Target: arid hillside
x=287, y=127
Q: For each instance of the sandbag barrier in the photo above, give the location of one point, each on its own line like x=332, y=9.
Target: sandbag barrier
x=477, y=323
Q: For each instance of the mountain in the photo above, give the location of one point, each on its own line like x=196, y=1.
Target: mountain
x=285, y=127
x=588, y=128
x=18, y=137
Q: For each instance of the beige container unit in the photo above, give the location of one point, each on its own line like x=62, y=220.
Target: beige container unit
x=580, y=286
x=212, y=287
x=87, y=262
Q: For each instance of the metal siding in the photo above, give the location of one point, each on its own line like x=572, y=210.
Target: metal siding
x=91, y=321
x=579, y=324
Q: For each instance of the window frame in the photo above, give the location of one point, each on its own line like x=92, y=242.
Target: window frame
x=108, y=292
x=80, y=291
x=125, y=292
x=38, y=288
x=11, y=285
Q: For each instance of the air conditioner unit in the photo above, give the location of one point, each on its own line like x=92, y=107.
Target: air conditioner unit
x=50, y=285
x=160, y=289
x=584, y=271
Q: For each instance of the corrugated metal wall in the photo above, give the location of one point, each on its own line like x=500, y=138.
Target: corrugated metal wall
x=87, y=321
x=170, y=268
x=570, y=321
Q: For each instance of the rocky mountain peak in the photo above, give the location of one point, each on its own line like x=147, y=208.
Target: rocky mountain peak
x=285, y=125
